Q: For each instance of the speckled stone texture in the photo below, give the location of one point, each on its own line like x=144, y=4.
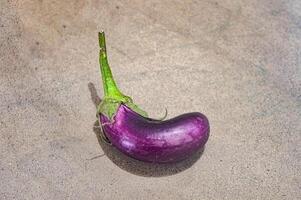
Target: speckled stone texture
x=238, y=62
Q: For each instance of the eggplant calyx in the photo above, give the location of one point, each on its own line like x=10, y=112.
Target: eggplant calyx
x=113, y=97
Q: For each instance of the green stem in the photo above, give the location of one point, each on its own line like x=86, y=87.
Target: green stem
x=110, y=88
x=112, y=95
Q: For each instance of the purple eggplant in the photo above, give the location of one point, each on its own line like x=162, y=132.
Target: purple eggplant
x=129, y=129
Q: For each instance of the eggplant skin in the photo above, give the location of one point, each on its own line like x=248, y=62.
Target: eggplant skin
x=156, y=141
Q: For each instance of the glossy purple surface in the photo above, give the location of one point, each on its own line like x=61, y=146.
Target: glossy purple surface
x=156, y=141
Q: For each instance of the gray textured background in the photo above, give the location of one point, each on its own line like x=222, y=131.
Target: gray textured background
x=239, y=62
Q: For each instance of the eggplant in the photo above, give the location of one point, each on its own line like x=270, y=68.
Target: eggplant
x=130, y=130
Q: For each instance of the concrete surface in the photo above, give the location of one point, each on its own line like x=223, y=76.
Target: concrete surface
x=236, y=61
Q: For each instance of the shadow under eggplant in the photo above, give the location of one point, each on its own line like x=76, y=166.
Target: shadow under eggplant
x=135, y=166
